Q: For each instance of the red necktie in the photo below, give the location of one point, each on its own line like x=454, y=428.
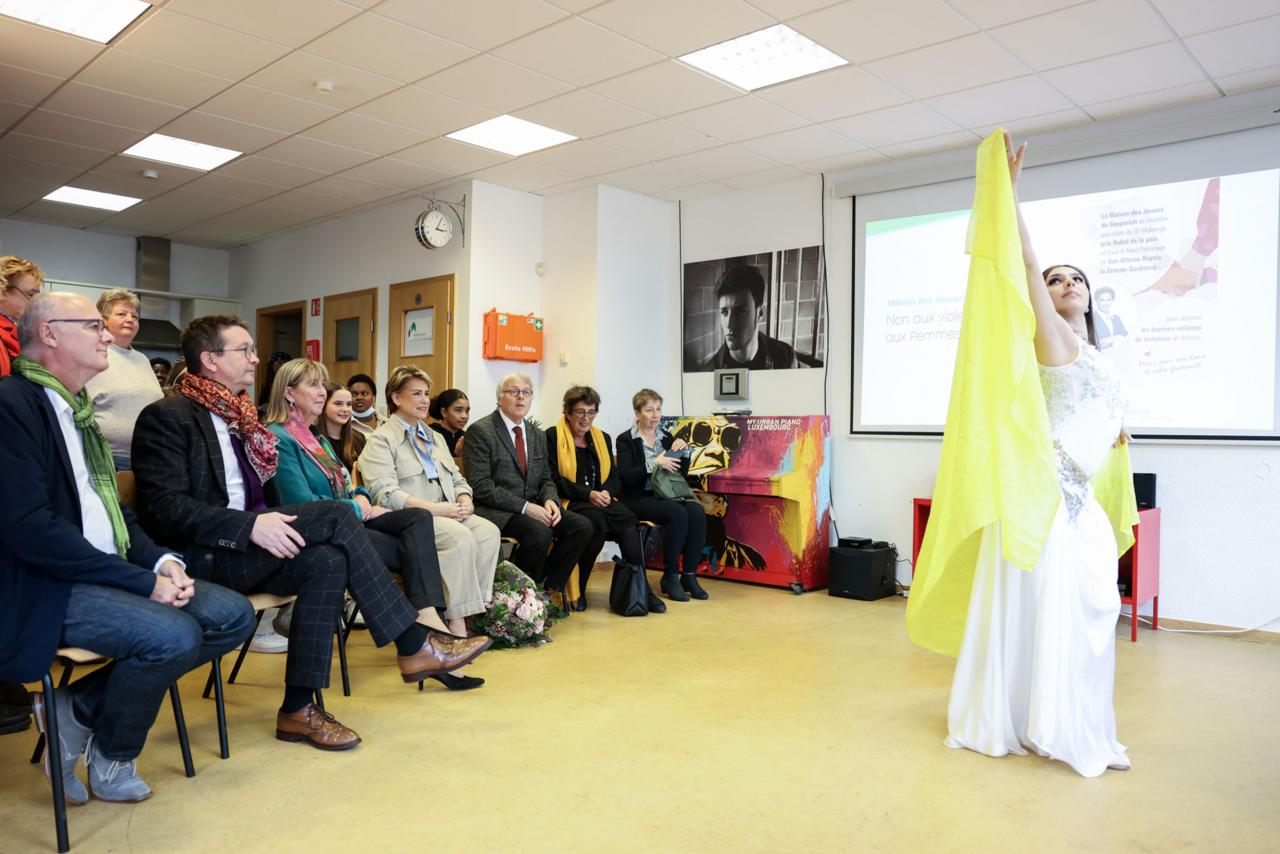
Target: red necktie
x=520, y=457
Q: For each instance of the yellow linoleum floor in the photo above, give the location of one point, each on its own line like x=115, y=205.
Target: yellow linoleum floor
x=756, y=721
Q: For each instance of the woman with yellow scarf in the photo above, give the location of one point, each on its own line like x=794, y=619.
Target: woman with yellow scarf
x=581, y=455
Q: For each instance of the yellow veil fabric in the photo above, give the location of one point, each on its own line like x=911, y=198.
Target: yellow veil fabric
x=997, y=464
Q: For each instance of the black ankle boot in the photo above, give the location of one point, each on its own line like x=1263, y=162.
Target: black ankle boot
x=656, y=605
x=671, y=587
x=689, y=581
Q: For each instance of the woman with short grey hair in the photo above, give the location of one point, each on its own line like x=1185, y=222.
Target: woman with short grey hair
x=129, y=383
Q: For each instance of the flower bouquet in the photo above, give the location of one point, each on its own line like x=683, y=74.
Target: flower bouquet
x=520, y=614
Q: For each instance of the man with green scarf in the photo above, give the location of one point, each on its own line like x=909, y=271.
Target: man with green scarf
x=77, y=570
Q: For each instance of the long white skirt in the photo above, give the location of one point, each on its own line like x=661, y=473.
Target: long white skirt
x=1037, y=664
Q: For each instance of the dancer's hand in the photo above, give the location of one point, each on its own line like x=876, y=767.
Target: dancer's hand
x=1123, y=439
x=1014, y=157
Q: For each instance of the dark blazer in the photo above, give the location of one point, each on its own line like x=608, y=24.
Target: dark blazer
x=42, y=547
x=497, y=486
x=631, y=470
x=576, y=491
x=182, y=485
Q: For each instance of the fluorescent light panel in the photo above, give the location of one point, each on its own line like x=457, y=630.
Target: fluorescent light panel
x=99, y=20
x=182, y=152
x=509, y=135
x=764, y=58
x=91, y=199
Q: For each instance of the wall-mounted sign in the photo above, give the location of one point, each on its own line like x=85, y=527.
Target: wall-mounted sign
x=315, y=306
x=419, y=332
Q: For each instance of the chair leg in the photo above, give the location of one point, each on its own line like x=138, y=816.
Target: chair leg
x=55, y=768
x=244, y=650
x=320, y=699
x=180, y=721
x=39, y=751
x=1155, y=613
x=215, y=676
x=63, y=681
x=342, y=661
x=66, y=675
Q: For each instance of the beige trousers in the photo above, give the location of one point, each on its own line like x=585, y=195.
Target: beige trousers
x=468, y=552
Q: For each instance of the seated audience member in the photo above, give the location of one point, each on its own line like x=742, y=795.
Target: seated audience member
x=201, y=459
x=178, y=372
x=277, y=359
x=451, y=410
x=740, y=304
x=20, y=281
x=129, y=383
x=506, y=464
x=161, y=368
x=335, y=424
x=308, y=469
x=78, y=569
x=643, y=448
x=364, y=399
x=581, y=456
x=405, y=468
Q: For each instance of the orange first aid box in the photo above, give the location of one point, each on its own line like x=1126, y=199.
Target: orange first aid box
x=512, y=336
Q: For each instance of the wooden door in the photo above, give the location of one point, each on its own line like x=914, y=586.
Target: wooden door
x=350, y=334
x=421, y=317
x=279, y=328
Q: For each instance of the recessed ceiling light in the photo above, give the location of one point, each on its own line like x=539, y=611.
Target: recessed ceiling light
x=509, y=135
x=182, y=152
x=91, y=199
x=100, y=20
x=763, y=58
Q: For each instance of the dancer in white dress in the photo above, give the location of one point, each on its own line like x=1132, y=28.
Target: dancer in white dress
x=1037, y=664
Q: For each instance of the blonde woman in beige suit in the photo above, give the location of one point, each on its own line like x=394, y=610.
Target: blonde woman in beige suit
x=406, y=464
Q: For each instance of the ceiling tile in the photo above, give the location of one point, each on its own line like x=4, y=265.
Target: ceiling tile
x=1244, y=47
x=657, y=140
x=1262, y=78
x=895, y=124
x=701, y=24
x=583, y=114
x=584, y=158
x=833, y=94
x=43, y=50
x=151, y=79
x=999, y=102
x=396, y=173
x=104, y=105
x=1031, y=125
x=863, y=30
x=576, y=5
x=993, y=13
x=524, y=175
x=454, y=158
x=343, y=190
x=578, y=52
x=178, y=209
x=841, y=163
x=743, y=118
x=959, y=64
x=930, y=145
x=1088, y=31
x=768, y=176
x=649, y=178
x=365, y=134
x=478, y=25
x=167, y=176
x=291, y=22
x=10, y=113
x=218, y=184
x=225, y=133
x=47, y=151
x=23, y=86
x=718, y=163
x=77, y=131
x=1188, y=17
x=493, y=83
x=801, y=145
x=1173, y=97
x=314, y=154
x=298, y=73
x=239, y=226
x=696, y=191
x=67, y=216
x=392, y=49
x=570, y=187
x=424, y=111
x=265, y=171
x=122, y=185
x=22, y=182
x=191, y=43
x=267, y=109
x=1147, y=69
x=667, y=88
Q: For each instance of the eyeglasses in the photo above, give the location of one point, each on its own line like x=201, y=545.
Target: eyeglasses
x=248, y=351
x=584, y=413
x=93, y=324
x=518, y=392
x=30, y=295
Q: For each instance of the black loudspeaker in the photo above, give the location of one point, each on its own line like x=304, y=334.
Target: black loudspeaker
x=1144, y=489
x=863, y=573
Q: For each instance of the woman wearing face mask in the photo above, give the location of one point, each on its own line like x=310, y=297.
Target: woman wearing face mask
x=365, y=417
x=308, y=469
x=129, y=383
x=450, y=411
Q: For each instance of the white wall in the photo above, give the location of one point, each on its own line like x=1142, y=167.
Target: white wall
x=74, y=255
x=569, y=294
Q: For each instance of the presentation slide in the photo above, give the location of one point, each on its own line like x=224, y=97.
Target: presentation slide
x=1184, y=279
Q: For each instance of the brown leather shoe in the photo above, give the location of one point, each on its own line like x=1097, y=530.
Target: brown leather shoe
x=312, y=725
x=440, y=654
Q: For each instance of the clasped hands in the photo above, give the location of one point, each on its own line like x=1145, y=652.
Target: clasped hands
x=173, y=585
x=548, y=513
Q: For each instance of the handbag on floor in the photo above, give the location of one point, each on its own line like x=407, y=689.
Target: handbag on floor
x=629, y=590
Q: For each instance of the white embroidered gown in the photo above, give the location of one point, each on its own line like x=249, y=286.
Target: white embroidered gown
x=1037, y=664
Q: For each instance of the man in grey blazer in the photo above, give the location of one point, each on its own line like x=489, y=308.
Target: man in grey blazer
x=506, y=464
